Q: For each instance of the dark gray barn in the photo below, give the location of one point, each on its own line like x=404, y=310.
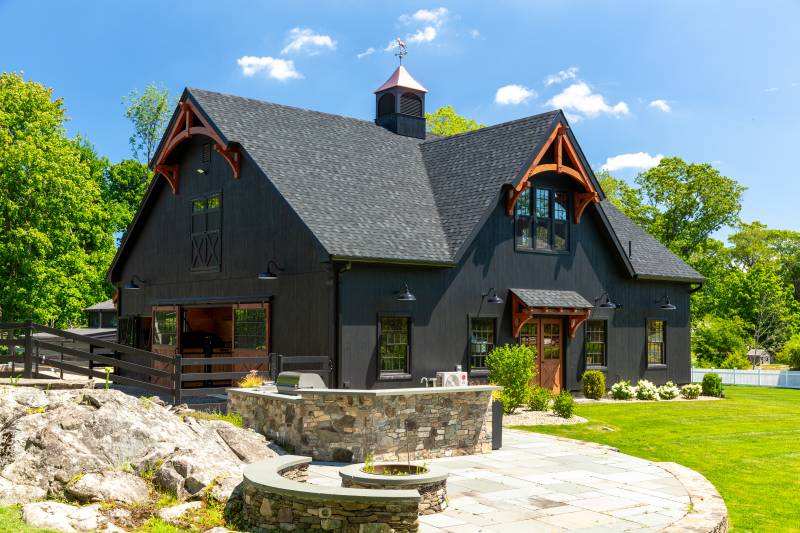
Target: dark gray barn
x=394, y=253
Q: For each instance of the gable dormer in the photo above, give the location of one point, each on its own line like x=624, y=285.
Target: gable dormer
x=400, y=105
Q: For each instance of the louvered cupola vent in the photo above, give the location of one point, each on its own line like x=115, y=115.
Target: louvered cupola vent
x=400, y=105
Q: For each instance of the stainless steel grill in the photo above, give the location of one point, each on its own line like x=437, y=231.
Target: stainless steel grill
x=291, y=382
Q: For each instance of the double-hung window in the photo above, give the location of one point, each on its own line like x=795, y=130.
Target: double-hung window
x=394, y=346
x=481, y=342
x=656, y=343
x=542, y=220
x=595, y=343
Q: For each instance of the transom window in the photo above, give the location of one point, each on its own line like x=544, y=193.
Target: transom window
x=542, y=220
x=206, y=233
x=394, y=348
x=595, y=343
x=482, y=339
x=656, y=352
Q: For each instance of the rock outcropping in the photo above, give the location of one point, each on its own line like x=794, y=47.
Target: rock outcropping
x=81, y=443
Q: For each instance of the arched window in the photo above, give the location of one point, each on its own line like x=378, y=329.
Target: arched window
x=386, y=104
x=411, y=104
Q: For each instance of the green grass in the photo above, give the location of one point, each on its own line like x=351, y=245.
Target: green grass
x=233, y=418
x=747, y=445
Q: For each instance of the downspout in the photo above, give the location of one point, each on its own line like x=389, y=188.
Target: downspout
x=337, y=323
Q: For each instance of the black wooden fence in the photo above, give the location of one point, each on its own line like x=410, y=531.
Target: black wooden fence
x=164, y=375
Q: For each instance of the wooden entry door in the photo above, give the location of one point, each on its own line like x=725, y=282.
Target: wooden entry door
x=551, y=348
x=547, y=335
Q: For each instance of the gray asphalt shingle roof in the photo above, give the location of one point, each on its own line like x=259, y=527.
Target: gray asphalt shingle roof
x=551, y=298
x=368, y=193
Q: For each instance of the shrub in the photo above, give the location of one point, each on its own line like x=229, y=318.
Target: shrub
x=251, y=380
x=594, y=384
x=511, y=367
x=668, y=391
x=564, y=405
x=716, y=338
x=691, y=391
x=539, y=399
x=646, y=390
x=736, y=360
x=712, y=385
x=622, y=390
x=790, y=355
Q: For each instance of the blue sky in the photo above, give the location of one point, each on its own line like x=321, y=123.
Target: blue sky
x=709, y=81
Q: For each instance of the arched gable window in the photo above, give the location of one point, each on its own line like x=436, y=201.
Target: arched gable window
x=386, y=104
x=411, y=104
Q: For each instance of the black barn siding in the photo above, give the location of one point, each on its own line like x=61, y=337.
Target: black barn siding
x=257, y=225
x=446, y=297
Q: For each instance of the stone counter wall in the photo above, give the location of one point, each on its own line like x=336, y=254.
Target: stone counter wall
x=332, y=426
x=433, y=496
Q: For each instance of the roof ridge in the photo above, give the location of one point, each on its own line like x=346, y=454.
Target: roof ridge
x=494, y=126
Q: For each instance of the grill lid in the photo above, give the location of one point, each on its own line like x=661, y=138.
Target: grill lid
x=291, y=382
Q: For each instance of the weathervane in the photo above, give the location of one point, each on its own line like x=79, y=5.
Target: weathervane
x=402, y=49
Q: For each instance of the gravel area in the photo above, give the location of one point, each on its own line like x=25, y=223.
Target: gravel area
x=524, y=417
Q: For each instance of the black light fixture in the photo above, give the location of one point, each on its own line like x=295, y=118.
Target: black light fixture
x=494, y=298
x=607, y=303
x=270, y=274
x=666, y=305
x=406, y=295
x=132, y=285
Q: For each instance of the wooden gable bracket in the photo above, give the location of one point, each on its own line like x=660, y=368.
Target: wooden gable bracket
x=190, y=122
x=571, y=167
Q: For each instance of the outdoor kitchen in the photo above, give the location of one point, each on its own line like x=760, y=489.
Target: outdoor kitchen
x=346, y=425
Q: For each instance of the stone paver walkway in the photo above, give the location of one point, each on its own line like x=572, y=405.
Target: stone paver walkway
x=542, y=483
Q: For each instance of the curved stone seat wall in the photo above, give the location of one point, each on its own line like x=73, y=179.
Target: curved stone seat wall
x=345, y=425
x=275, y=498
x=431, y=486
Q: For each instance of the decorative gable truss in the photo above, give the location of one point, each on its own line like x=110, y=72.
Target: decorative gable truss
x=557, y=155
x=189, y=123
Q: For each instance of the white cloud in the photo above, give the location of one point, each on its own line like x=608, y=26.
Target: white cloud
x=424, y=35
x=561, y=75
x=368, y=52
x=661, y=105
x=579, y=99
x=279, y=69
x=475, y=34
x=770, y=90
x=638, y=160
x=304, y=39
x=427, y=16
x=513, y=94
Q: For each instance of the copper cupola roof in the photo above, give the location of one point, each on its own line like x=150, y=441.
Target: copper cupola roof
x=401, y=78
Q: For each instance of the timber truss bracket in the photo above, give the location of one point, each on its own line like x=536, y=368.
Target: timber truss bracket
x=565, y=160
x=190, y=122
x=521, y=314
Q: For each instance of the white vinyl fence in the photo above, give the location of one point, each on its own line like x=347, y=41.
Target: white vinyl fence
x=759, y=378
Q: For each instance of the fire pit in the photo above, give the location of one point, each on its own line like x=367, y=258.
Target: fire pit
x=430, y=482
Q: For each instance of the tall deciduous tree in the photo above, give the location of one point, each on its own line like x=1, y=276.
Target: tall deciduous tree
x=54, y=243
x=445, y=121
x=149, y=112
x=123, y=186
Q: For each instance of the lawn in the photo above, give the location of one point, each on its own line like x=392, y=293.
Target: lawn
x=747, y=445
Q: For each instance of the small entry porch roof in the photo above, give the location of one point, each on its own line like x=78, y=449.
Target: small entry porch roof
x=527, y=303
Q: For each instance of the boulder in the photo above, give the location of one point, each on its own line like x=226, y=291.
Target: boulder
x=56, y=516
x=173, y=514
x=48, y=438
x=109, y=486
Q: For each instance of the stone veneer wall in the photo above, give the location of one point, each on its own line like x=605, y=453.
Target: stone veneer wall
x=344, y=425
x=433, y=496
x=267, y=508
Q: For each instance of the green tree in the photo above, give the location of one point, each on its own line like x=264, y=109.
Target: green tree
x=715, y=339
x=149, y=112
x=626, y=198
x=445, y=121
x=123, y=186
x=55, y=242
x=790, y=354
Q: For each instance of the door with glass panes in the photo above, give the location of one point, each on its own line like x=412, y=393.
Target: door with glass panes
x=546, y=335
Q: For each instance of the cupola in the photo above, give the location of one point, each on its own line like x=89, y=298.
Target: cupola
x=400, y=105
